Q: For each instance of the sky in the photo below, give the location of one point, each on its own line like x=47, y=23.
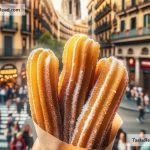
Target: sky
x=57, y=6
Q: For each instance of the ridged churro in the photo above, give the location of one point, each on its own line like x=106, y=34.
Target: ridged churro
x=43, y=76
x=77, y=74
x=99, y=111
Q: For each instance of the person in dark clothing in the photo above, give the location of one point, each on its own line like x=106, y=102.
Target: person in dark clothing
x=27, y=136
x=9, y=127
x=142, y=136
x=11, y=120
x=115, y=146
x=140, y=104
x=28, y=108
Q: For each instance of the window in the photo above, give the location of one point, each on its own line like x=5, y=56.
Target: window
x=122, y=25
x=24, y=46
x=6, y=19
x=145, y=51
x=123, y=4
x=70, y=6
x=130, y=51
x=133, y=3
x=77, y=9
x=119, y=51
x=8, y=45
x=147, y=20
x=133, y=23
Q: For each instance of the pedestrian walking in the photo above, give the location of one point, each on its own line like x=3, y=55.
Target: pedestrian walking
x=122, y=143
x=142, y=137
x=3, y=95
x=140, y=104
x=18, y=104
x=128, y=93
x=27, y=136
x=146, y=102
x=9, y=126
x=16, y=128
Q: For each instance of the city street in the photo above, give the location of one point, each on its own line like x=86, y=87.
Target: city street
x=130, y=125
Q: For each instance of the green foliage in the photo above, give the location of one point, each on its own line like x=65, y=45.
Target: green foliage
x=47, y=41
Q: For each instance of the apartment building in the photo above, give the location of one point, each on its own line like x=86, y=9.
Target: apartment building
x=104, y=15
x=91, y=18
x=131, y=39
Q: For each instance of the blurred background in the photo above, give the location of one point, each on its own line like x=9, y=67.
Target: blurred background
x=122, y=27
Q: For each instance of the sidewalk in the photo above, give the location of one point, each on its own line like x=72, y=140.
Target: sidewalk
x=129, y=105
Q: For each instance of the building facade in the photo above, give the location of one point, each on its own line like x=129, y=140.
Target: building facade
x=101, y=15
x=131, y=39
x=123, y=30
x=19, y=34
x=71, y=9
x=91, y=18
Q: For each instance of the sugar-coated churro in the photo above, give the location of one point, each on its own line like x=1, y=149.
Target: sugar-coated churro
x=81, y=69
x=43, y=76
x=99, y=111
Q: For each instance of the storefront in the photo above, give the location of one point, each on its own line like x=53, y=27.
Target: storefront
x=145, y=68
x=131, y=70
x=23, y=74
x=8, y=74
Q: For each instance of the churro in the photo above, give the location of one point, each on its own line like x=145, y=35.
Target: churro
x=43, y=77
x=79, y=71
x=99, y=110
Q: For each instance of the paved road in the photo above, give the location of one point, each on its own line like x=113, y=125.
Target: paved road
x=130, y=124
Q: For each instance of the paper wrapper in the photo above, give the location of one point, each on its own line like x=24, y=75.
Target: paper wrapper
x=46, y=141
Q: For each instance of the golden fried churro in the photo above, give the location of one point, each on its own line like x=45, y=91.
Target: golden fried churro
x=45, y=80
x=99, y=111
x=32, y=86
x=85, y=53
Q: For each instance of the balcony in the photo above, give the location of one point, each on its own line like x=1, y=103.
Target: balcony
x=115, y=21
x=131, y=7
x=105, y=44
x=46, y=25
x=25, y=29
x=8, y=1
x=40, y=18
x=55, y=25
x=143, y=34
x=144, y=4
x=27, y=5
x=101, y=14
x=105, y=26
x=99, y=3
x=90, y=22
x=9, y=27
x=36, y=13
x=89, y=11
x=20, y=55
x=47, y=14
x=37, y=33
